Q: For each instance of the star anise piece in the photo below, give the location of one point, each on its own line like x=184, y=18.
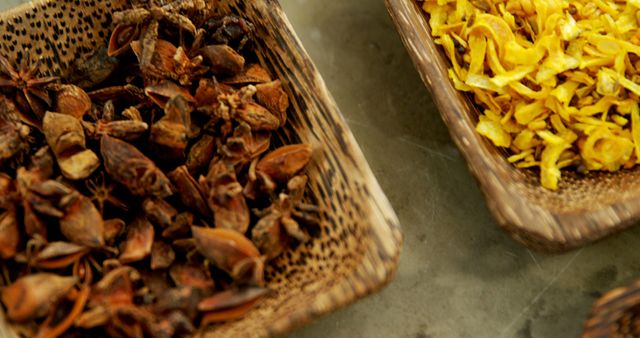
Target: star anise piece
x=31, y=92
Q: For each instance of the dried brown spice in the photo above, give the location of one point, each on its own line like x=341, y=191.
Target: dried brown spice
x=127, y=209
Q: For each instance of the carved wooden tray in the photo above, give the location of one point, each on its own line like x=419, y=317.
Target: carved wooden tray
x=584, y=209
x=356, y=250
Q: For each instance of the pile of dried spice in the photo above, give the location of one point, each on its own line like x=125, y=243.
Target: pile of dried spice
x=104, y=228
x=557, y=79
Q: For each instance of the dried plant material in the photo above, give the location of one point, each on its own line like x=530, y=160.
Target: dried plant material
x=189, y=191
x=271, y=96
x=139, y=241
x=57, y=255
x=231, y=298
x=112, y=229
x=31, y=93
x=170, y=135
x=72, y=100
x=555, y=89
x=225, y=198
x=161, y=93
x=134, y=260
x=191, y=275
x=9, y=234
x=127, y=165
x=252, y=74
x=285, y=162
x=162, y=255
x=222, y=59
x=82, y=223
x=31, y=296
x=224, y=247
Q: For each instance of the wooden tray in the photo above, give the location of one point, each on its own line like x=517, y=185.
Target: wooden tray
x=584, y=209
x=357, y=248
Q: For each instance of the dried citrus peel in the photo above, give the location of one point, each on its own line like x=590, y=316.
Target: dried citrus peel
x=557, y=80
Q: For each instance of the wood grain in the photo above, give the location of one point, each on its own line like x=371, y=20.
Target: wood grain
x=356, y=249
x=586, y=208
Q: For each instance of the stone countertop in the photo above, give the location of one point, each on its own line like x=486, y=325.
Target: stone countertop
x=459, y=276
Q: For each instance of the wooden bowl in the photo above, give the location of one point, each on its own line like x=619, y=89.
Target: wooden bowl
x=356, y=250
x=616, y=314
x=584, y=209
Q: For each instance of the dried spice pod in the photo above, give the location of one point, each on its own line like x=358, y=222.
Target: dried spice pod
x=162, y=255
x=231, y=298
x=127, y=130
x=127, y=165
x=230, y=30
x=189, y=191
x=225, y=198
x=126, y=92
x=121, y=39
x=244, y=145
x=222, y=59
x=181, y=227
x=93, y=68
x=201, y=153
x=273, y=97
x=233, y=313
x=13, y=137
x=65, y=136
x=224, y=247
x=191, y=275
x=115, y=289
x=251, y=74
x=112, y=229
x=258, y=117
x=82, y=222
x=32, y=296
x=170, y=135
x=164, y=91
x=139, y=241
x=71, y=100
x=284, y=162
x=56, y=255
x=159, y=211
x=9, y=234
x=208, y=91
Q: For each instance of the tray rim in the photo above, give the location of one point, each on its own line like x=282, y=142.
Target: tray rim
x=531, y=225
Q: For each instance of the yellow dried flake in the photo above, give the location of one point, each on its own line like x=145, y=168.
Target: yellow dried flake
x=558, y=80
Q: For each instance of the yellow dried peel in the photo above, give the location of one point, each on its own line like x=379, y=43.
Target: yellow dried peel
x=557, y=80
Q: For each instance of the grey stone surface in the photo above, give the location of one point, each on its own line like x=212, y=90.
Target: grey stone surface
x=459, y=275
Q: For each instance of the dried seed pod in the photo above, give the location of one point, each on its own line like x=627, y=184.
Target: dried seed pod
x=251, y=74
x=82, y=222
x=162, y=255
x=232, y=298
x=271, y=96
x=132, y=113
x=230, y=30
x=228, y=314
x=31, y=296
x=9, y=234
x=128, y=130
x=249, y=271
x=93, y=68
x=201, y=153
x=8, y=194
x=72, y=100
x=159, y=211
x=181, y=227
x=115, y=288
x=170, y=134
x=139, y=241
x=181, y=298
x=225, y=198
x=208, y=91
x=94, y=317
x=223, y=60
x=224, y=247
x=13, y=137
x=112, y=229
x=121, y=39
x=244, y=145
x=258, y=117
x=269, y=236
x=65, y=136
x=189, y=191
x=285, y=162
x=127, y=165
x=56, y=255
x=162, y=63
x=191, y=275
x=162, y=92
x=127, y=93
